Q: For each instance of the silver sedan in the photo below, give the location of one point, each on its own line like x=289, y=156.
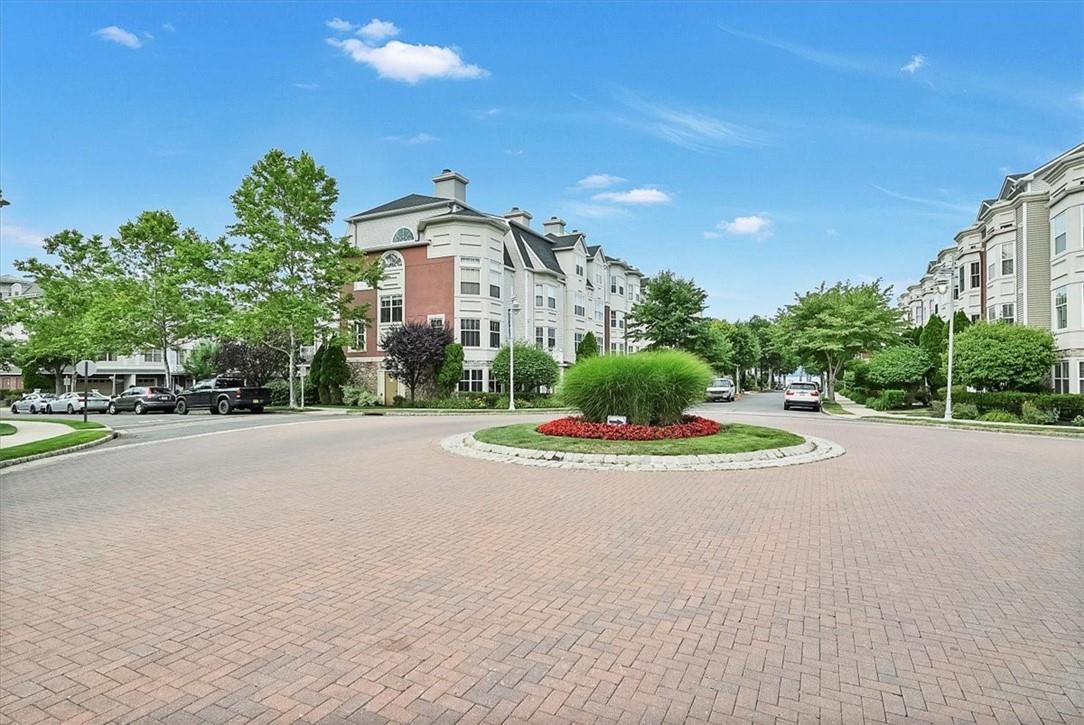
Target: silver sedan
x=32, y=403
x=73, y=403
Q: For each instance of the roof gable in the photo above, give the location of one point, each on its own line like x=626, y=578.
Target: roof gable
x=409, y=201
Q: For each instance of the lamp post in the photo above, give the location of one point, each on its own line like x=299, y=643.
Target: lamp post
x=513, y=308
x=951, y=269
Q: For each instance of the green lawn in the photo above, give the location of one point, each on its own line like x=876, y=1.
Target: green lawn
x=734, y=438
x=829, y=406
x=6, y=430
x=74, y=422
x=52, y=444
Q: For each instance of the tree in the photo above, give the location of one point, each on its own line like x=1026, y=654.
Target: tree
x=291, y=274
x=998, y=356
x=414, y=351
x=960, y=321
x=902, y=366
x=588, y=347
x=336, y=371
x=316, y=375
x=671, y=313
x=534, y=368
x=202, y=362
x=451, y=369
x=829, y=326
x=168, y=275
x=257, y=363
x=714, y=347
x=746, y=348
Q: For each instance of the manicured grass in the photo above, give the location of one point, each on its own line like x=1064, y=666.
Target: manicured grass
x=73, y=422
x=830, y=406
x=52, y=444
x=6, y=430
x=734, y=438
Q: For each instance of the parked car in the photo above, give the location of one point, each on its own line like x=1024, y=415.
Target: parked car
x=32, y=403
x=142, y=399
x=223, y=395
x=73, y=403
x=802, y=395
x=721, y=389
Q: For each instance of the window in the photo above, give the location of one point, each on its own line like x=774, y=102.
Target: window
x=391, y=308
x=991, y=270
x=991, y=313
x=470, y=276
x=579, y=339
x=494, y=333
x=936, y=308
x=152, y=356
x=1061, y=376
x=470, y=333
x=955, y=292
x=551, y=338
x=539, y=337
x=613, y=318
x=402, y=234
x=1061, y=308
x=579, y=270
x=976, y=274
x=109, y=357
x=1008, y=313
x=962, y=284
x=538, y=302
x=613, y=347
x=471, y=382
x=495, y=386
x=1006, y=259
x=357, y=341
x=496, y=281
x=392, y=260
x=1058, y=229
x=1080, y=376
x=579, y=307
x=551, y=297
x=616, y=287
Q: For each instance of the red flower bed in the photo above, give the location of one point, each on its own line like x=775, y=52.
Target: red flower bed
x=573, y=427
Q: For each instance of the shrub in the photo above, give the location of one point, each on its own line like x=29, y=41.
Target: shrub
x=451, y=370
x=280, y=392
x=1068, y=405
x=649, y=388
x=1000, y=357
x=877, y=403
x=999, y=416
x=1078, y=421
x=894, y=399
x=964, y=411
x=535, y=368
x=903, y=365
x=572, y=427
x=335, y=373
x=588, y=347
x=359, y=397
x=1030, y=412
x=937, y=409
x=858, y=395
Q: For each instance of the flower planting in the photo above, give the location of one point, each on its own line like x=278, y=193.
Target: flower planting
x=575, y=427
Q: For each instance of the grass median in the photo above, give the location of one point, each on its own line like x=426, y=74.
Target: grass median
x=734, y=438
x=81, y=433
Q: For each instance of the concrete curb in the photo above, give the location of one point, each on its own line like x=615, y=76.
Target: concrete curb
x=61, y=451
x=814, y=449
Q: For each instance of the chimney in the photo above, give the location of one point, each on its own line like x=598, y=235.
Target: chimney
x=451, y=185
x=554, y=226
x=520, y=216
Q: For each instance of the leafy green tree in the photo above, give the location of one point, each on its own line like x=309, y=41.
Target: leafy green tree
x=934, y=341
x=291, y=274
x=414, y=351
x=169, y=275
x=995, y=356
x=902, y=366
x=534, y=368
x=829, y=326
x=257, y=363
x=961, y=321
x=746, y=348
x=451, y=369
x=336, y=371
x=588, y=347
x=316, y=375
x=714, y=347
x=202, y=362
x=671, y=313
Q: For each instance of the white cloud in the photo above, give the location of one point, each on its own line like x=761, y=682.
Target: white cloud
x=147, y=35
x=688, y=129
x=20, y=236
x=120, y=36
x=710, y=235
x=340, y=25
x=598, y=181
x=825, y=58
x=594, y=211
x=409, y=63
x=916, y=62
x=168, y=27
x=747, y=225
x=306, y=86
x=377, y=30
x=962, y=208
x=634, y=196
x=514, y=152
x=487, y=113
x=417, y=138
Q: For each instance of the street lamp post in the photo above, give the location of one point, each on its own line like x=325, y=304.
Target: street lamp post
x=513, y=308
x=951, y=333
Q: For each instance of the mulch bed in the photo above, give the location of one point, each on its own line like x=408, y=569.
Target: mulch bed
x=574, y=427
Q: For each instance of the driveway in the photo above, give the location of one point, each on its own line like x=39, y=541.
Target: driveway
x=346, y=569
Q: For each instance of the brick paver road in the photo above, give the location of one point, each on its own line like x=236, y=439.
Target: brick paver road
x=350, y=571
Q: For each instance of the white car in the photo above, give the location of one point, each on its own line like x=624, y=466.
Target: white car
x=73, y=403
x=32, y=403
x=802, y=395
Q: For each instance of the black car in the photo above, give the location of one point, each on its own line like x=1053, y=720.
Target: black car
x=141, y=399
x=223, y=395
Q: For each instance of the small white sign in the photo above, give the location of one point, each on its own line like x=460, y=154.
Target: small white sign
x=86, y=368
x=616, y=420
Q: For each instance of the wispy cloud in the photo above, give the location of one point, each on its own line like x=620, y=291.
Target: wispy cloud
x=514, y=152
x=418, y=138
x=916, y=62
x=598, y=181
x=685, y=128
x=825, y=58
x=743, y=226
x=486, y=113
x=168, y=27
x=340, y=26
x=964, y=208
x=15, y=235
x=377, y=30
x=120, y=36
x=710, y=235
x=634, y=196
x=407, y=62
x=593, y=211
x=306, y=86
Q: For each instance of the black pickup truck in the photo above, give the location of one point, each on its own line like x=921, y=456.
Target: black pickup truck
x=221, y=396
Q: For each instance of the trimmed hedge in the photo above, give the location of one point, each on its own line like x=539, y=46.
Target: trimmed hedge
x=1067, y=405
x=893, y=399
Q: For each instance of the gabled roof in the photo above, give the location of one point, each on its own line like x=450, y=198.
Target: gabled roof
x=565, y=241
x=404, y=202
x=508, y=259
x=540, y=245
x=592, y=249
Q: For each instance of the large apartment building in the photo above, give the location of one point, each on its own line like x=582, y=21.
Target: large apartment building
x=475, y=273
x=1021, y=262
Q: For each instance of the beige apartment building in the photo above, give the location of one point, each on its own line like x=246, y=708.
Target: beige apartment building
x=1020, y=262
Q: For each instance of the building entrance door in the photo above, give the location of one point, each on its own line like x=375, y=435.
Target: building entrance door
x=391, y=389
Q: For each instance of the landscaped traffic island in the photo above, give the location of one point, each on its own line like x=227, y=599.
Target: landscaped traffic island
x=633, y=417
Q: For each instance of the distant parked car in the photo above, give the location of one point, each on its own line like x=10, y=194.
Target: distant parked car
x=802, y=395
x=223, y=395
x=73, y=403
x=142, y=399
x=32, y=403
x=721, y=389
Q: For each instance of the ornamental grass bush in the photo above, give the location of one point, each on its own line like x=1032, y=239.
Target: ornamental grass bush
x=648, y=388
x=999, y=416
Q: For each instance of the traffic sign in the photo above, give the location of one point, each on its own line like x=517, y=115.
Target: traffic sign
x=86, y=368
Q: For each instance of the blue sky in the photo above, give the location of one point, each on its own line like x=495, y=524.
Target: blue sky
x=760, y=148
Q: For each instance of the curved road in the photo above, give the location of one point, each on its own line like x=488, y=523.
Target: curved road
x=346, y=569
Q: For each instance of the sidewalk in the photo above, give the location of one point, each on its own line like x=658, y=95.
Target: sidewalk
x=855, y=409
x=31, y=432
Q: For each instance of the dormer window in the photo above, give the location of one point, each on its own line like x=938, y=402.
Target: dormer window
x=402, y=234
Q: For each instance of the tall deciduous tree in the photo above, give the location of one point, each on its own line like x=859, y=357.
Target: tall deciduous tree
x=830, y=325
x=414, y=351
x=291, y=273
x=671, y=313
x=170, y=275
x=202, y=363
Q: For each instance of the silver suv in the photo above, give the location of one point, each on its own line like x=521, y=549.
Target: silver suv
x=721, y=389
x=804, y=395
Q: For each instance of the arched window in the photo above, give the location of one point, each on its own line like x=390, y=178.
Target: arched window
x=391, y=260
x=402, y=234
